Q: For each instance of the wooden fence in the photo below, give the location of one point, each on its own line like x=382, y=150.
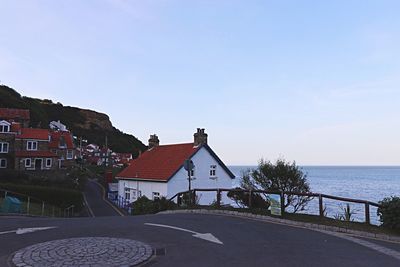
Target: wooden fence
x=321, y=197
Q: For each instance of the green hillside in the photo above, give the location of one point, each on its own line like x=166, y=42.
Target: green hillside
x=91, y=125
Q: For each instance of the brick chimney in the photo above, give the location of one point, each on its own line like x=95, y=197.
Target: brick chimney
x=200, y=137
x=153, y=141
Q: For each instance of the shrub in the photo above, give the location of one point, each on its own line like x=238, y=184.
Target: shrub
x=389, y=212
x=241, y=198
x=143, y=205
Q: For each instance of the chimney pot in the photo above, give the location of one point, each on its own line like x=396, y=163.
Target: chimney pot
x=200, y=137
x=153, y=141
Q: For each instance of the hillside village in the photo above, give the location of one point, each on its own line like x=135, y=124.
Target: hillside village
x=24, y=148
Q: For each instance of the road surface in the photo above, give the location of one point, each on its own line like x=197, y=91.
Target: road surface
x=243, y=242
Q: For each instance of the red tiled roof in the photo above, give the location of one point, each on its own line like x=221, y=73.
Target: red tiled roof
x=56, y=136
x=159, y=163
x=12, y=113
x=45, y=154
x=32, y=133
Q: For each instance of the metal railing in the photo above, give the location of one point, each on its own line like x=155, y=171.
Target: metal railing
x=321, y=197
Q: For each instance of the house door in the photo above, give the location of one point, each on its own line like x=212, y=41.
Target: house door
x=38, y=164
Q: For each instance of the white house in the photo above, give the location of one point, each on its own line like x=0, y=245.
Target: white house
x=159, y=171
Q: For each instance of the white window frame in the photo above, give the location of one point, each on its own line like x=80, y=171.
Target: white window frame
x=33, y=145
x=3, y=163
x=2, y=145
x=127, y=193
x=26, y=162
x=47, y=161
x=213, y=171
x=70, y=154
x=156, y=195
x=3, y=126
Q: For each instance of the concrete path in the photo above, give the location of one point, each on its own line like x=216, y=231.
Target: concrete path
x=245, y=242
x=97, y=205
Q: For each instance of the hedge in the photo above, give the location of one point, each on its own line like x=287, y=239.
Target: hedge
x=390, y=212
x=52, y=195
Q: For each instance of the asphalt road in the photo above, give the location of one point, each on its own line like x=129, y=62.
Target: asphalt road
x=94, y=197
x=245, y=242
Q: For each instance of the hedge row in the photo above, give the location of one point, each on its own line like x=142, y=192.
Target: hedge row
x=56, y=196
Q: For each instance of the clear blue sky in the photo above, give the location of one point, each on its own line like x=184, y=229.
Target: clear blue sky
x=311, y=81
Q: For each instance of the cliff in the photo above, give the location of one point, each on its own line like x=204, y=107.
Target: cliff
x=91, y=125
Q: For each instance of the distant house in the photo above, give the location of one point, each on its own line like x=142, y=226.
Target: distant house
x=32, y=150
x=58, y=126
x=62, y=144
x=159, y=171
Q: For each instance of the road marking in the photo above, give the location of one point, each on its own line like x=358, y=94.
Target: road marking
x=387, y=251
x=87, y=205
x=21, y=231
x=104, y=198
x=207, y=236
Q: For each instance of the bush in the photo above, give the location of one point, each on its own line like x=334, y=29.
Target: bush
x=60, y=197
x=389, y=212
x=241, y=198
x=146, y=206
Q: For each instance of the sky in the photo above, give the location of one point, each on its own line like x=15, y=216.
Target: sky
x=317, y=82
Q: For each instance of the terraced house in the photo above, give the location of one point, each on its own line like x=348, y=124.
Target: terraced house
x=30, y=149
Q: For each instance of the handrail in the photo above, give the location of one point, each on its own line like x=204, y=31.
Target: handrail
x=282, y=194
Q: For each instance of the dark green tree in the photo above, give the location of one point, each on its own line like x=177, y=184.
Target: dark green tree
x=280, y=176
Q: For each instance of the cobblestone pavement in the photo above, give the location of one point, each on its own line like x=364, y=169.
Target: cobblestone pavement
x=88, y=251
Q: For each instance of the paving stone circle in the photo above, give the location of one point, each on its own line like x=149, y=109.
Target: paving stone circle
x=88, y=251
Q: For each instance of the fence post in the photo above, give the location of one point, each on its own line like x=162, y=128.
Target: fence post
x=27, y=205
x=194, y=198
x=321, y=206
x=42, y=208
x=367, y=216
x=5, y=194
x=178, y=199
x=282, y=203
x=250, y=198
x=218, y=198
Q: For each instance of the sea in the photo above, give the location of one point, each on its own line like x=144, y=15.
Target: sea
x=372, y=183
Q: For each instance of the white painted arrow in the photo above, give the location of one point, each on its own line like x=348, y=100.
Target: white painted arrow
x=21, y=231
x=208, y=236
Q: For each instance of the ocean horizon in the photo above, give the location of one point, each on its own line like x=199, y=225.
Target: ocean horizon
x=372, y=183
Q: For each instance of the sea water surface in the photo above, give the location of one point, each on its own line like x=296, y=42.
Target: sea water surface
x=372, y=183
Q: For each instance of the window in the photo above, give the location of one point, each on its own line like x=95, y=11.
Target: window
x=4, y=127
x=156, y=195
x=48, y=163
x=127, y=193
x=28, y=163
x=3, y=147
x=70, y=154
x=31, y=145
x=3, y=163
x=213, y=169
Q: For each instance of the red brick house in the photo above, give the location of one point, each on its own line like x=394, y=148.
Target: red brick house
x=61, y=144
x=32, y=150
